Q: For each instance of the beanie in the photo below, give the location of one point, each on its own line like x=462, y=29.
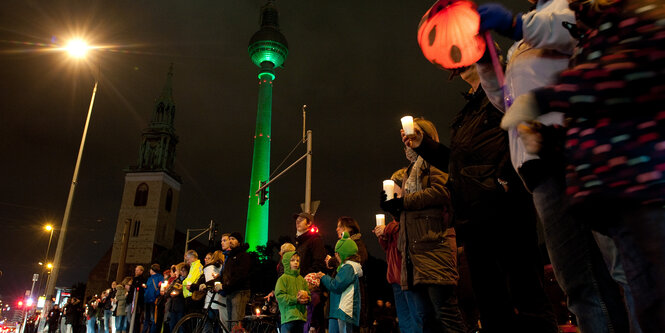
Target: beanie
x=346, y=247
x=237, y=236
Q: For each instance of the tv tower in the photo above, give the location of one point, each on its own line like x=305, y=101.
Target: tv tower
x=268, y=49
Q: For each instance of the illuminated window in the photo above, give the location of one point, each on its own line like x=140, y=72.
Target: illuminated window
x=141, y=198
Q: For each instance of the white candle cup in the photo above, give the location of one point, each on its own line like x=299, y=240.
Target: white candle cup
x=407, y=125
x=389, y=188
x=380, y=219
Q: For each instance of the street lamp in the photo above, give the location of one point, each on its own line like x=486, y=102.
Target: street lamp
x=78, y=49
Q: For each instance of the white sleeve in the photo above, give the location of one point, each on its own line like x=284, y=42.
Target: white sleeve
x=491, y=85
x=542, y=28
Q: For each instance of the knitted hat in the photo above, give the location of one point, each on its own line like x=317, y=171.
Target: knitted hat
x=237, y=236
x=346, y=247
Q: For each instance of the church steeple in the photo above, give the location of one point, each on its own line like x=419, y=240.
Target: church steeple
x=157, y=152
x=164, y=107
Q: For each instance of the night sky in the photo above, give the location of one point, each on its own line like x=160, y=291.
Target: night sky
x=356, y=64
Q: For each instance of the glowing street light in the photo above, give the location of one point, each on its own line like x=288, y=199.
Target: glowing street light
x=49, y=266
x=78, y=49
x=48, y=227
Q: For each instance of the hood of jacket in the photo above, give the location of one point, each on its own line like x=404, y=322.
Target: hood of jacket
x=286, y=262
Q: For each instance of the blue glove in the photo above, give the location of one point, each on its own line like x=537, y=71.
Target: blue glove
x=494, y=16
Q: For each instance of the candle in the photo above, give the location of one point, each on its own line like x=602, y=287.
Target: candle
x=380, y=219
x=407, y=125
x=389, y=188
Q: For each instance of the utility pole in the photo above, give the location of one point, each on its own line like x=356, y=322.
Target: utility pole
x=28, y=305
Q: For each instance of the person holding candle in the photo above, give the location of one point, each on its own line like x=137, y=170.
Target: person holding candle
x=345, y=302
x=493, y=211
x=405, y=301
x=292, y=294
x=351, y=226
x=427, y=242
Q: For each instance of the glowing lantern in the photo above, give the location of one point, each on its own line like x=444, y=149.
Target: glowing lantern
x=448, y=34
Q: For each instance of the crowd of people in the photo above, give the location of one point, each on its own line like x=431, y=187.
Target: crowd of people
x=573, y=140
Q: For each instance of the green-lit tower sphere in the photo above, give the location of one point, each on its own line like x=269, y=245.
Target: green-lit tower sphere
x=268, y=50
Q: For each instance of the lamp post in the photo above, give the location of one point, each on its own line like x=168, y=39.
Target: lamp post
x=77, y=49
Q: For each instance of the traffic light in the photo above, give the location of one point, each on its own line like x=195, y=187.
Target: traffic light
x=263, y=194
x=20, y=303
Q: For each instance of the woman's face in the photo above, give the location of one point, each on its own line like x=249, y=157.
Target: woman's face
x=340, y=230
x=208, y=259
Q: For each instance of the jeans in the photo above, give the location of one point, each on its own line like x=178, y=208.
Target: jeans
x=107, y=321
x=149, y=320
x=614, y=264
x=91, y=325
x=440, y=312
x=405, y=320
x=640, y=239
x=339, y=326
x=238, y=301
x=295, y=326
x=577, y=263
x=121, y=323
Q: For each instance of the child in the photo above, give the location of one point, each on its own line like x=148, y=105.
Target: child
x=344, y=288
x=292, y=294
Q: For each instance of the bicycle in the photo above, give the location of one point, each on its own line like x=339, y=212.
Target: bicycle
x=201, y=322
x=204, y=322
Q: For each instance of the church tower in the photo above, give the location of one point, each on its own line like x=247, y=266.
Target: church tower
x=152, y=190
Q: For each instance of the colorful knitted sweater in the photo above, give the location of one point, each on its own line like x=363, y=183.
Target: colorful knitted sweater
x=614, y=98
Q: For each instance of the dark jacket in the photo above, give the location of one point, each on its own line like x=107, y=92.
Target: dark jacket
x=53, y=316
x=235, y=276
x=477, y=158
x=312, y=253
x=426, y=242
x=137, y=284
x=73, y=313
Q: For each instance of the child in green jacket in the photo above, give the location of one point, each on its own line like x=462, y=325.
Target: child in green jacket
x=292, y=294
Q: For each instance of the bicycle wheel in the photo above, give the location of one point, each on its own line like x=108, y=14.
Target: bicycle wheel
x=193, y=323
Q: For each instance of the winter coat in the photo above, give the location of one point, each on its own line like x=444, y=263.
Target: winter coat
x=478, y=156
x=177, y=301
x=121, y=300
x=195, y=270
x=286, y=292
x=73, y=313
x=235, y=276
x=312, y=252
x=152, y=288
x=211, y=273
x=426, y=242
x=533, y=62
x=388, y=242
x=137, y=284
x=53, y=316
x=345, y=292
x=613, y=97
